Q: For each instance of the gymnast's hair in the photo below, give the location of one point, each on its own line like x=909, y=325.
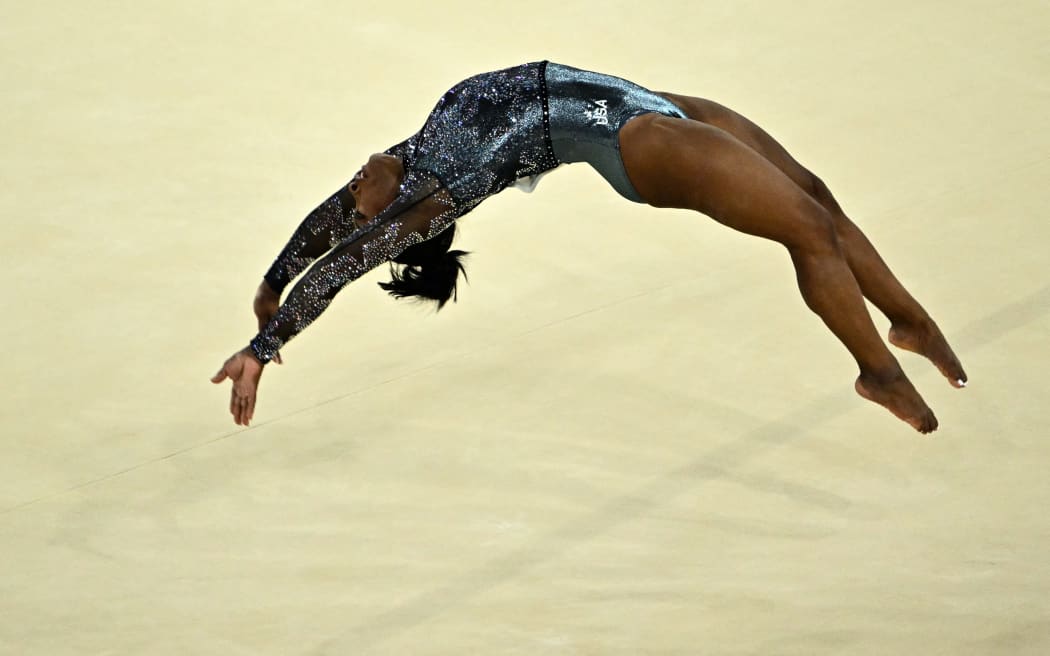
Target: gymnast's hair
x=429, y=271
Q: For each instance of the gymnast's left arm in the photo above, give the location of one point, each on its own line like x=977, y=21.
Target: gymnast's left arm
x=420, y=212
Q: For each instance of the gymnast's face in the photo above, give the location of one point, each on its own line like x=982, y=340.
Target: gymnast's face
x=375, y=185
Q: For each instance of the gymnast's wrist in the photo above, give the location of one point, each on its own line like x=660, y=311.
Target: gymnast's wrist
x=276, y=279
x=262, y=348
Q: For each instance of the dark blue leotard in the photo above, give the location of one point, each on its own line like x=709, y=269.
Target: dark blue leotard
x=485, y=134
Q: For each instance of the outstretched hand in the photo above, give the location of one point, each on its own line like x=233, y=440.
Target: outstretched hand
x=244, y=370
x=266, y=304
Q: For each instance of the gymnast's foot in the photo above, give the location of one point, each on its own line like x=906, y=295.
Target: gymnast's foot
x=926, y=339
x=898, y=396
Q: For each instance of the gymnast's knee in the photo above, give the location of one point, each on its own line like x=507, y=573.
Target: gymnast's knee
x=816, y=233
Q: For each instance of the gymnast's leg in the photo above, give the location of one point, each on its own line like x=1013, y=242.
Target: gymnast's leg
x=912, y=328
x=687, y=164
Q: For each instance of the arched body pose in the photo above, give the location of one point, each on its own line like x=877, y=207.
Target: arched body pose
x=509, y=127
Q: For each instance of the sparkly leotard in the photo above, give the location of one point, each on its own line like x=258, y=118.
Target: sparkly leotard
x=485, y=134
x=587, y=111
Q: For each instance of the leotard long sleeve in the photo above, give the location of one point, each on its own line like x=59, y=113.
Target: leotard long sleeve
x=322, y=229
x=419, y=212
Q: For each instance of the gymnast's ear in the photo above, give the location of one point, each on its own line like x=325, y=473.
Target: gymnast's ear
x=346, y=201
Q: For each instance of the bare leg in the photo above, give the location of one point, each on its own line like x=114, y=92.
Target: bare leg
x=687, y=164
x=912, y=327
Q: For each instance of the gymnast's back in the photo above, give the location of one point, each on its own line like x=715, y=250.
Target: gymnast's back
x=493, y=129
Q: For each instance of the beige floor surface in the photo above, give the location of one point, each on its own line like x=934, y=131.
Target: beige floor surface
x=629, y=436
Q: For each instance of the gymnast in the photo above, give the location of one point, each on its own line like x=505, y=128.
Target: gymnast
x=507, y=128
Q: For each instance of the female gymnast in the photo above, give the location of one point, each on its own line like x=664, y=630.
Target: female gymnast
x=506, y=128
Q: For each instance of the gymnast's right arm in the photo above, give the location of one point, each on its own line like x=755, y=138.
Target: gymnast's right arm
x=326, y=226
x=419, y=213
